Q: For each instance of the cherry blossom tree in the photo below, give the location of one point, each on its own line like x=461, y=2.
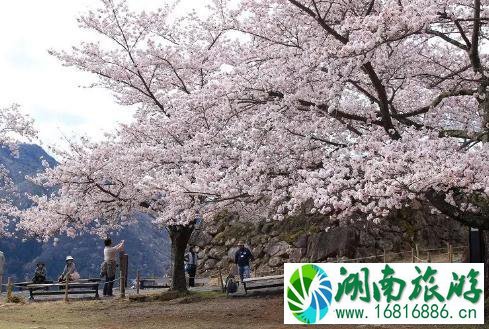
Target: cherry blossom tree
x=14, y=126
x=351, y=109
x=148, y=60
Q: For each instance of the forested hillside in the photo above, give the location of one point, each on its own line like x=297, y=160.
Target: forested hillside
x=146, y=245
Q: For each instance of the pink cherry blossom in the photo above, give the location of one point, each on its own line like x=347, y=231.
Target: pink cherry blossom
x=351, y=109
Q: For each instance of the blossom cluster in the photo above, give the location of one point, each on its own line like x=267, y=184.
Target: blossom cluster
x=351, y=109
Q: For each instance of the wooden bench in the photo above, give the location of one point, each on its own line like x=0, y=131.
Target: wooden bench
x=263, y=282
x=80, y=287
x=88, y=280
x=23, y=285
x=151, y=284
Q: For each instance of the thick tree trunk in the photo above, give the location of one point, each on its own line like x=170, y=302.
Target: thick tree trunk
x=179, y=236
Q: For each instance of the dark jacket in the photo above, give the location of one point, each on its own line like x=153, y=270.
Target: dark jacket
x=191, y=258
x=40, y=274
x=243, y=257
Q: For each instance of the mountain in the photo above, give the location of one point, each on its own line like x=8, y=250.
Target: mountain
x=148, y=247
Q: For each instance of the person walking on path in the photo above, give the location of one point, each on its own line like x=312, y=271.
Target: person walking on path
x=191, y=266
x=242, y=259
x=2, y=268
x=109, y=265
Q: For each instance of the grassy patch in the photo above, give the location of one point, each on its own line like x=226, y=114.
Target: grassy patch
x=161, y=297
x=209, y=294
x=184, y=297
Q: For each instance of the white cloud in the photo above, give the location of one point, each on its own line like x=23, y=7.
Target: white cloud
x=50, y=93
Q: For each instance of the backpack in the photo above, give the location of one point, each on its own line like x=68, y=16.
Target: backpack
x=103, y=269
x=231, y=286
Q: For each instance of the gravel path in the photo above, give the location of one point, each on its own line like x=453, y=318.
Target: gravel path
x=200, y=310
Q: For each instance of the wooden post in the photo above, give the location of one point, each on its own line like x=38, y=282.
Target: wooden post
x=123, y=262
x=122, y=287
x=413, y=260
x=123, y=275
x=138, y=280
x=417, y=250
x=429, y=257
x=385, y=257
x=66, y=288
x=125, y=258
x=10, y=288
x=220, y=279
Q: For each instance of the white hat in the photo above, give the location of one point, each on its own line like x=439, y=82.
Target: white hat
x=69, y=258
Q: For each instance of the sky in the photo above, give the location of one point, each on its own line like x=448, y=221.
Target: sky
x=53, y=95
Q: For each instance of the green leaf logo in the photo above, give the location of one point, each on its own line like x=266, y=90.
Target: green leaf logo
x=309, y=293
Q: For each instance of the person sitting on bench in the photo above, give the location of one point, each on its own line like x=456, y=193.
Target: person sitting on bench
x=40, y=274
x=69, y=272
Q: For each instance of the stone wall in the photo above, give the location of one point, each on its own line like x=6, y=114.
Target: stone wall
x=316, y=239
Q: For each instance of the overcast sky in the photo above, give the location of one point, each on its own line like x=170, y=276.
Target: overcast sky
x=47, y=91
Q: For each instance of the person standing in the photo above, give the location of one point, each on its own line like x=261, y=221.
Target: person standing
x=191, y=265
x=2, y=268
x=109, y=265
x=242, y=258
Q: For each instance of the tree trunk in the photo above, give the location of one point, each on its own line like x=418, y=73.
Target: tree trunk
x=179, y=236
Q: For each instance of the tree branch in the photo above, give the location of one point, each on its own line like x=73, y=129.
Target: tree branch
x=437, y=199
x=436, y=102
x=474, y=49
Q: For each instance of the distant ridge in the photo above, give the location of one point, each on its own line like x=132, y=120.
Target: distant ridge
x=148, y=247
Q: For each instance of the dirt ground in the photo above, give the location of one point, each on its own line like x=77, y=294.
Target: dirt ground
x=200, y=311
